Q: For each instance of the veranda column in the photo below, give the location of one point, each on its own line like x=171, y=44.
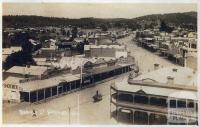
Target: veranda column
x=148, y=100
x=133, y=98
x=44, y=95
x=133, y=111
x=148, y=114
x=117, y=113
x=51, y=91
x=57, y=90
x=37, y=95
x=117, y=106
x=29, y=97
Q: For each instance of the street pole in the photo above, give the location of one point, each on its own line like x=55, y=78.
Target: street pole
x=78, y=111
x=69, y=114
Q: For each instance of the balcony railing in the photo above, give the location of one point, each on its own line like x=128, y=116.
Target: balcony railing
x=151, y=108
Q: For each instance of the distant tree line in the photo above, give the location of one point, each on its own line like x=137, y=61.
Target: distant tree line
x=165, y=28
x=185, y=20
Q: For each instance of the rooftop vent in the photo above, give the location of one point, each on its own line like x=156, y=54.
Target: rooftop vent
x=170, y=80
x=156, y=66
x=174, y=70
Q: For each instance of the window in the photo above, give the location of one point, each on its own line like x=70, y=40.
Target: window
x=40, y=94
x=125, y=97
x=173, y=103
x=47, y=92
x=24, y=96
x=158, y=101
x=163, y=102
x=78, y=84
x=196, y=107
x=141, y=99
x=153, y=101
x=181, y=104
x=190, y=105
x=54, y=91
x=33, y=96
x=73, y=85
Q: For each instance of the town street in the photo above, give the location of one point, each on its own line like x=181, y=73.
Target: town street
x=144, y=58
x=79, y=105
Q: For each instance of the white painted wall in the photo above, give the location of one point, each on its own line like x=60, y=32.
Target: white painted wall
x=118, y=54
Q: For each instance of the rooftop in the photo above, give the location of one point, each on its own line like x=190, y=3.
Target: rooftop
x=8, y=51
x=105, y=46
x=182, y=77
x=12, y=80
x=78, y=61
x=50, y=82
x=32, y=70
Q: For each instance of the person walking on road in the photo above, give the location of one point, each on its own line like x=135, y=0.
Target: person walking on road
x=34, y=113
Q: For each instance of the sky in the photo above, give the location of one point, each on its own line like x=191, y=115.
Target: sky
x=100, y=10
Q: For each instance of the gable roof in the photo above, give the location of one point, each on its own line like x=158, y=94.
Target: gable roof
x=32, y=70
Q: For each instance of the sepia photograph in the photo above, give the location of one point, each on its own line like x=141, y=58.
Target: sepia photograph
x=99, y=63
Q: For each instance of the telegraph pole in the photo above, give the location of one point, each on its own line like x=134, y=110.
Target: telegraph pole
x=69, y=113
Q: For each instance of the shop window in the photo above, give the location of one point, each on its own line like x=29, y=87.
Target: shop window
x=181, y=104
x=173, y=103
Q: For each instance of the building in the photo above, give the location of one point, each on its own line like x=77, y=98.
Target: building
x=149, y=43
x=25, y=72
x=50, y=52
x=190, y=59
x=192, y=35
x=115, y=51
x=54, y=48
x=174, y=46
x=163, y=96
x=11, y=89
x=74, y=73
x=38, y=90
x=14, y=76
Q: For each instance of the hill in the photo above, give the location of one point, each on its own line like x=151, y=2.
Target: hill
x=185, y=20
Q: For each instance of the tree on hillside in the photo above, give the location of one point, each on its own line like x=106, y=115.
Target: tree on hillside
x=165, y=28
x=27, y=47
x=104, y=27
x=74, y=32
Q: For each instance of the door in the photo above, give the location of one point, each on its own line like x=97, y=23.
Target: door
x=60, y=89
x=14, y=96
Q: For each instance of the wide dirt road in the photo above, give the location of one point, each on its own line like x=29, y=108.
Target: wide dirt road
x=82, y=108
x=145, y=59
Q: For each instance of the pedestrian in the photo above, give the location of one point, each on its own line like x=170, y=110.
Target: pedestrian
x=34, y=113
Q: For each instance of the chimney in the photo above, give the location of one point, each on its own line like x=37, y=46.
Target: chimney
x=156, y=66
x=174, y=70
x=170, y=80
x=129, y=53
